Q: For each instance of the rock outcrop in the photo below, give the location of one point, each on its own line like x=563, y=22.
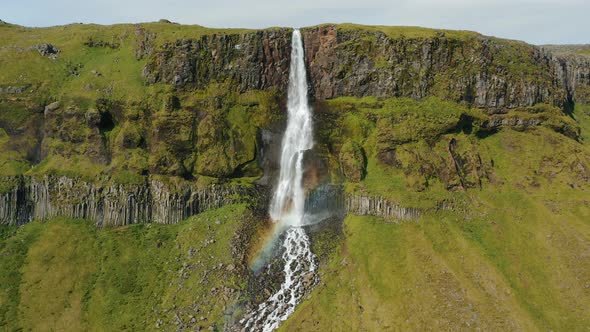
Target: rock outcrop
x=251, y=61
x=521, y=123
x=574, y=73
x=156, y=201
x=113, y=204
x=164, y=202
x=483, y=71
x=329, y=201
x=144, y=44
x=14, y=89
x=46, y=49
x=379, y=207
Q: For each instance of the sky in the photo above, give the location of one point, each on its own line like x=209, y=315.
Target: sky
x=536, y=22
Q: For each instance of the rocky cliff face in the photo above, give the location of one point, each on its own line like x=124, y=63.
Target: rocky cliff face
x=574, y=72
x=156, y=201
x=329, y=201
x=113, y=204
x=252, y=61
x=483, y=71
x=379, y=207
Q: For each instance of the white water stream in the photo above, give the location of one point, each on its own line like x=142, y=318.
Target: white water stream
x=288, y=202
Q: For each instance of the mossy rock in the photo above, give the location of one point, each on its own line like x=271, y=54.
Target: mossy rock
x=353, y=162
x=223, y=146
x=129, y=136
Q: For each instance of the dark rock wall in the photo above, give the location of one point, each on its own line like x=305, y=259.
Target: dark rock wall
x=574, y=74
x=379, y=207
x=331, y=201
x=483, y=71
x=113, y=204
x=252, y=61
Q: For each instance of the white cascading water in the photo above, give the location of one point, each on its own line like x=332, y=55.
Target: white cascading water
x=288, y=202
x=289, y=198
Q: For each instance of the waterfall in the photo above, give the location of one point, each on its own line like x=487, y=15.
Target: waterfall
x=288, y=203
x=288, y=200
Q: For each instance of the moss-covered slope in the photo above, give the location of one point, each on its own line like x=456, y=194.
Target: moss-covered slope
x=160, y=98
x=67, y=275
x=77, y=99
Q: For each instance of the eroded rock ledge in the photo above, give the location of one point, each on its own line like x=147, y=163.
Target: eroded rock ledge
x=483, y=71
x=380, y=207
x=113, y=204
x=476, y=69
x=332, y=200
x=156, y=201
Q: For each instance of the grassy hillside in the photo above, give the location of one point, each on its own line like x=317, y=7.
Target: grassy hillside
x=67, y=275
x=517, y=262
x=110, y=50
x=581, y=49
x=107, y=120
x=509, y=254
x=449, y=273
x=513, y=255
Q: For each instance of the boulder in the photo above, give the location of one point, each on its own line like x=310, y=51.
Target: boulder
x=46, y=49
x=92, y=117
x=14, y=89
x=51, y=107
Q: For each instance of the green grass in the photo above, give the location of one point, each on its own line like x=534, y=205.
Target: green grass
x=121, y=72
x=582, y=116
x=77, y=166
x=510, y=256
x=68, y=275
x=70, y=79
x=120, y=92
x=164, y=139
x=14, y=246
x=410, y=31
x=506, y=265
x=581, y=49
x=418, y=134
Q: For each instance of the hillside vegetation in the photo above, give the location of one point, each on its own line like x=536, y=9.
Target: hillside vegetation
x=511, y=256
x=488, y=140
x=68, y=275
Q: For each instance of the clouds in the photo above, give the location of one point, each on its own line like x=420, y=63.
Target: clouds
x=535, y=21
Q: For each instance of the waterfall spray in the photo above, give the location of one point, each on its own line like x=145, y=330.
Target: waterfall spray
x=288, y=203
